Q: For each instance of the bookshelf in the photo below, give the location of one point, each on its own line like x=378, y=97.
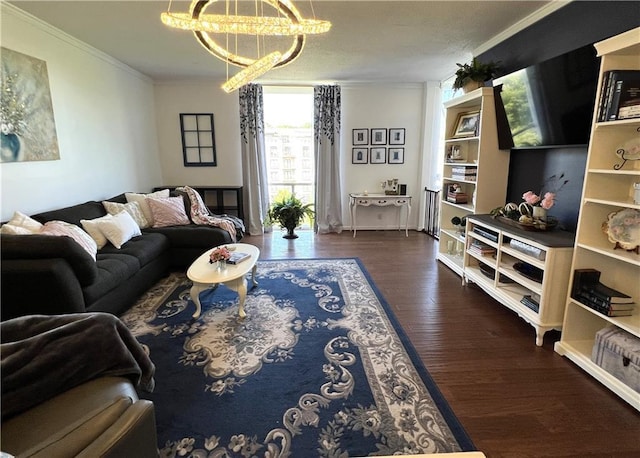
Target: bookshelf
x=607, y=189
x=476, y=165
x=498, y=273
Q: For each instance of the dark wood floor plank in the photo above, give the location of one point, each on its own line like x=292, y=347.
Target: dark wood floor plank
x=514, y=399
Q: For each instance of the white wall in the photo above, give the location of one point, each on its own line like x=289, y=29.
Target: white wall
x=104, y=114
x=366, y=106
x=198, y=97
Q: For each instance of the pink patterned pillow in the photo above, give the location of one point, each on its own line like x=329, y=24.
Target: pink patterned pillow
x=73, y=231
x=168, y=211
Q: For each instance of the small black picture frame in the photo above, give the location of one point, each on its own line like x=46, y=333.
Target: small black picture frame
x=396, y=156
x=360, y=156
x=360, y=137
x=378, y=136
x=396, y=136
x=198, y=140
x=378, y=155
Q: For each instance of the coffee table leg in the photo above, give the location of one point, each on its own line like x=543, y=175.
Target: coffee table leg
x=253, y=276
x=239, y=285
x=194, y=292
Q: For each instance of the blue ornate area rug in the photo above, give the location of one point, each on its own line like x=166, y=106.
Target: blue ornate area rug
x=319, y=367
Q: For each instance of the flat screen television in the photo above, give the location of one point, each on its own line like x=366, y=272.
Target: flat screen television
x=548, y=104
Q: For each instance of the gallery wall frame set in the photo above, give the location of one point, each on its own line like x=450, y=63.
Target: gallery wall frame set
x=378, y=139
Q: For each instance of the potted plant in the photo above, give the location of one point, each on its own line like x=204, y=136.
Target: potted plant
x=472, y=76
x=289, y=211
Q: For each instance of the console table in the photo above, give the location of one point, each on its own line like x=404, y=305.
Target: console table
x=380, y=200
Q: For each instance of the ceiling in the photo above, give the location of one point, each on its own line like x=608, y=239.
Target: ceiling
x=370, y=41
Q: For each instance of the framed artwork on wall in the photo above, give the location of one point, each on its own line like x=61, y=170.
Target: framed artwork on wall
x=467, y=125
x=198, y=140
x=378, y=136
x=360, y=137
x=396, y=155
x=396, y=136
x=360, y=156
x=378, y=155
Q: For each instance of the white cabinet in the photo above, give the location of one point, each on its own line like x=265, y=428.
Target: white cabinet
x=607, y=188
x=517, y=264
x=473, y=163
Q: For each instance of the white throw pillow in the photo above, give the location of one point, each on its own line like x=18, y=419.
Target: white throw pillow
x=168, y=212
x=73, y=231
x=142, y=200
x=119, y=229
x=133, y=208
x=92, y=226
x=14, y=230
x=21, y=220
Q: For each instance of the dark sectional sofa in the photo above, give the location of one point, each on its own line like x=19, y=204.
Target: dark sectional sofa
x=45, y=274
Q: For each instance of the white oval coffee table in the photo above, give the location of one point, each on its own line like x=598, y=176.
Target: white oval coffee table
x=205, y=275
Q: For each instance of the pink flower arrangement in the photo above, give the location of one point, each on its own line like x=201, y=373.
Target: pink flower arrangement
x=554, y=181
x=535, y=200
x=219, y=254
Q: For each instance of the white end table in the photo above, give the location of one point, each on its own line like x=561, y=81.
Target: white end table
x=205, y=275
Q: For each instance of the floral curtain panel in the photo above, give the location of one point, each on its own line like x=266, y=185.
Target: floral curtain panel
x=254, y=168
x=328, y=204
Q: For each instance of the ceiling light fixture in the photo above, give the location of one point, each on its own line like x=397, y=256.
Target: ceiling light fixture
x=287, y=22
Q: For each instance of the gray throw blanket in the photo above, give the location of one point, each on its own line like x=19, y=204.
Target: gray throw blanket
x=45, y=355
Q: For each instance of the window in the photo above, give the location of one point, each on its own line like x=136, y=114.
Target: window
x=288, y=118
x=198, y=139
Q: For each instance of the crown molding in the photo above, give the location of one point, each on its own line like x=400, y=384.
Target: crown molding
x=522, y=24
x=12, y=10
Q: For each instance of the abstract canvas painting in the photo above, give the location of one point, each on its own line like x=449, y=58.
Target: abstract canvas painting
x=27, y=125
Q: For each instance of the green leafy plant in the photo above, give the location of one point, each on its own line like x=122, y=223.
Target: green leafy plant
x=288, y=211
x=475, y=71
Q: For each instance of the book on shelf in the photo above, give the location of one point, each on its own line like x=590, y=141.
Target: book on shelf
x=603, y=309
x=237, y=257
x=620, y=88
x=480, y=248
x=530, y=302
x=585, y=295
x=607, y=294
x=457, y=197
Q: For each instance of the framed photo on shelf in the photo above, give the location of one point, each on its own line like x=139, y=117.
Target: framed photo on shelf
x=378, y=136
x=467, y=125
x=396, y=136
x=360, y=156
x=396, y=155
x=360, y=137
x=378, y=155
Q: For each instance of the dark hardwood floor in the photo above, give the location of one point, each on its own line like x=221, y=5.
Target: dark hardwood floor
x=513, y=398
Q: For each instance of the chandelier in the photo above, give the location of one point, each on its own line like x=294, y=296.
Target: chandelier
x=231, y=27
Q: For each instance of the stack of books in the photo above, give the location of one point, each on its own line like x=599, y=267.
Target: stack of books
x=531, y=302
x=599, y=297
x=619, y=95
x=457, y=197
x=482, y=249
x=464, y=173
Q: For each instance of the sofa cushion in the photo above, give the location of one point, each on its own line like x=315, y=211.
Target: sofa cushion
x=22, y=221
x=113, y=269
x=73, y=214
x=39, y=246
x=194, y=236
x=133, y=208
x=119, y=229
x=92, y=226
x=168, y=211
x=145, y=248
x=142, y=200
x=62, y=228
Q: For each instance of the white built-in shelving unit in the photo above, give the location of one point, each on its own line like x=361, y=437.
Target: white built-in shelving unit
x=606, y=190
x=480, y=152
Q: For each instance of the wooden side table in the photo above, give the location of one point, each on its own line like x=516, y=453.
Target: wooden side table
x=379, y=200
